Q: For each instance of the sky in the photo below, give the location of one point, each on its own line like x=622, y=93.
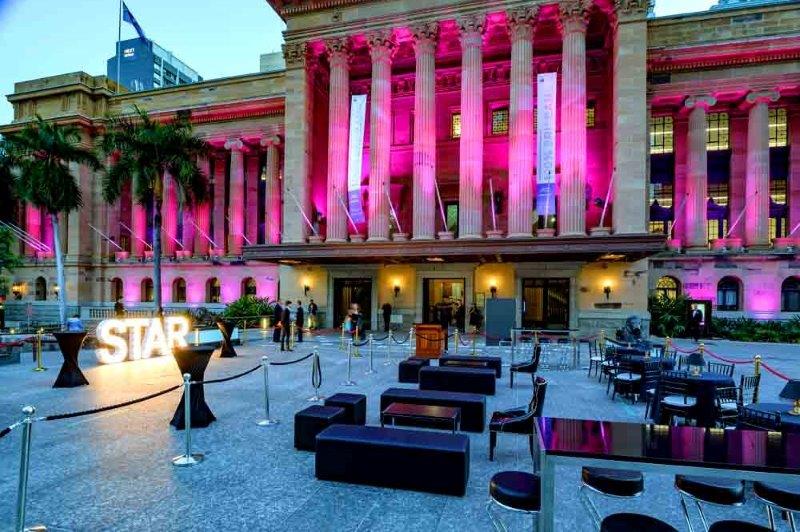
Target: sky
x=216, y=38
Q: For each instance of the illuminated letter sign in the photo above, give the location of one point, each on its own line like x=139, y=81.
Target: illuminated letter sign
x=137, y=338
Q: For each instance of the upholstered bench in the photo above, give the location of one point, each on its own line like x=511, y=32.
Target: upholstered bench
x=354, y=404
x=469, y=380
x=473, y=406
x=313, y=420
x=408, y=370
x=417, y=460
x=495, y=363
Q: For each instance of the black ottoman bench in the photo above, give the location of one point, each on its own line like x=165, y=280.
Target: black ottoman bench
x=313, y=420
x=354, y=404
x=473, y=406
x=408, y=370
x=495, y=363
x=470, y=380
x=394, y=458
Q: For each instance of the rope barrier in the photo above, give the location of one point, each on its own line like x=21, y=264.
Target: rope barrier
x=394, y=338
x=727, y=360
x=775, y=372
x=9, y=428
x=380, y=339
x=735, y=361
x=225, y=379
x=56, y=417
x=292, y=361
x=365, y=342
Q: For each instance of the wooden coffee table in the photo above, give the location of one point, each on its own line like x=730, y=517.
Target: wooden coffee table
x=422, y=415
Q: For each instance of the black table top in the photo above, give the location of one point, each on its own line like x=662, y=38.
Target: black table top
x=422, y=411
x=746, y=450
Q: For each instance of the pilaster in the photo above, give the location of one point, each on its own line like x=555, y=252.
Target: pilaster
x=338, y=136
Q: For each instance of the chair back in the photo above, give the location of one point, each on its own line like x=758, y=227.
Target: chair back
x=683, y=362
x=652, y=374
x=755, y=419
x=720, y=367
x=537, y=400
x=748, y=389
x=673, y=383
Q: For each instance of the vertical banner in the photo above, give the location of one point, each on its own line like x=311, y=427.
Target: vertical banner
x=546, y=144
x=355, y=154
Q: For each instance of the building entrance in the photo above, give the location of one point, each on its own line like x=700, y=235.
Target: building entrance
x=545, y=304
x=443, y=299
x=348, y=292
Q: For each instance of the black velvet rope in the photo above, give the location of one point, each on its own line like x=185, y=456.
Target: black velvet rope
x=55, y=417
x=9, y=428
x=291, y=361
x=232, y=377
x=429, y=339
x=365, y=342
x=380, y=339
x=408, y=336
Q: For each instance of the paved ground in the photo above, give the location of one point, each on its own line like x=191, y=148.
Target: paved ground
x=112, y=471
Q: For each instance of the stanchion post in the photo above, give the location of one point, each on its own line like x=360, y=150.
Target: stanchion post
x=667, y=342
x=757, y=372
x=341, y=340
x=356, y=348
x=267, y=421
x=37, y=345
x=702, y=348
x=24, y=467
x=389, y=340
x=474, y=340
x=456, y=339
x=316, y=382
x=371, y=369
x=412, y=341
x=187, y=458
x=349, y=381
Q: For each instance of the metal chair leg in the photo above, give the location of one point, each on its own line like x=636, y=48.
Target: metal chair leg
x=591, y=509
x=791, y=522
x=770, y=517
x=496, y=523
x=686, y=513
x=702, y=515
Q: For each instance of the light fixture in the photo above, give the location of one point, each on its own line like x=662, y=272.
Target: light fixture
x=17, y=289
x=607, y=291
x=56, y=289
x=493, y=290
x=696, y=363
x=306, y=289
x=434, y=259
x=792, y=392
x=396, y=290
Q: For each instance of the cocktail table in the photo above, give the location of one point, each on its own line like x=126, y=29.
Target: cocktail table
x=422, y=415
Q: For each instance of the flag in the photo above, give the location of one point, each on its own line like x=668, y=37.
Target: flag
x=128, y=17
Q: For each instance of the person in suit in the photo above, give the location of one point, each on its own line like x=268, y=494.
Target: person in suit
x=286, y=327
x=312, y=315
x=298, y=321
x=277, y=315
x=695, y=319
x=387, y=316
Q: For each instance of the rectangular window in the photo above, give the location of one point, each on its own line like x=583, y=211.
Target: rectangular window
x=718, y=192
x=455, y=126
x=500, y=121
x=451, y=210
x=661, y=192
x=717, y=228
x=778, y=228
x=590, y=113
x=659, y=227
x=778, y=130
x=717, y=132
x=661, y=137
x=777, y=191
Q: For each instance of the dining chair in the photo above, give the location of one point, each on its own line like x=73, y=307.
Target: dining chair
x=673, y=395
x=518, y=420
x=748, y=389
x=651, y=377
x=721, y=367
x=726, y=401
x=625, y=380
x=528, y=366
x=755, y=419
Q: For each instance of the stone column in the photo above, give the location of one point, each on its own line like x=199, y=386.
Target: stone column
x=757, y=183
x=381, y=48
x=33, y=225
x=138, y=227
x=202, y=215
x=520, y=130
x=297, y=155
x=470, y=175
x=572, y=189
x=631, y=157
x=338, y=134
x=252, y=175
x=272, y=195
x=695, y=226
x=424, y=182
x=793, y=186
x=170, y=217
x=236, y=205
x=218, y=208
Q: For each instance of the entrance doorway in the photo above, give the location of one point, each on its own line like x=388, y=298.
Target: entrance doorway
x=545, y=304
x=347, y=292
x=443, y=296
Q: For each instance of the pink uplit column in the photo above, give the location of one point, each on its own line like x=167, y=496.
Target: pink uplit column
x=202, y=215
x=572, y=190
x=381, y=48
x=251, y=176
x=218, y=208
x=272, y=196
x=737, y=194
x=696, y=229
x=170, y=216
x=793, y=197
x=757, y=182
x=520, y=130
x=47, y=233
x=424, y=202
x=139, y=227
x=470, y=180
x=33, y=225
x=236, y=205
x=338, y=135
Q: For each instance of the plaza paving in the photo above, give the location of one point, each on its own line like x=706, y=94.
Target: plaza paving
x=112, y=471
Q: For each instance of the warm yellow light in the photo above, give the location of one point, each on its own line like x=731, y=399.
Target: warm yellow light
x=137, y=338
x=492, y=282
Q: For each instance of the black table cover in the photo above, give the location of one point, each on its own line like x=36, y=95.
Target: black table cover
x=193, y=360
x=703, y=388
x=789, y=423
x=225, y=349
x=70, y=375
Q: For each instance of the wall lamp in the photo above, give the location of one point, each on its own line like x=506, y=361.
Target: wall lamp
x=306, y=289
x=17, y=290
x=493, y=290
x=607, y=291
x=396, y=290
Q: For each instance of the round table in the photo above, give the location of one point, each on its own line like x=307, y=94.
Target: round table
x=789, y=422
x=225, y=349
x=70, y=375
x=193, y=360
x=703, y=388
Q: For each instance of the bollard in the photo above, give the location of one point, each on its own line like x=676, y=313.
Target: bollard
x=38, y=348
x=389, y=341
x=702, y=348
x=196, y=336
x=267, y=421
x=187, y=458
x=349, y=381
x=264, y=327
x=371, y=369
x=455, y=339
x=667, y=342
x=316, y=377
x=757, y=372
x=412, y=341
x=24, y=467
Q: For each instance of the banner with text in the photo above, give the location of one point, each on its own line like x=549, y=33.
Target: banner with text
x=355, y=154
x=546, y=143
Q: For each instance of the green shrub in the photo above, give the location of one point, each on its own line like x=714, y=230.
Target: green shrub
x=667, y=315
x=248, y=307
x=750, y=330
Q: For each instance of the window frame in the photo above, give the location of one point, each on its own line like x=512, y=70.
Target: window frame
x=725, y=287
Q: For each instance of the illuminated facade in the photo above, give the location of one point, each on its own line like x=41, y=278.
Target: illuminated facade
x=449, y=176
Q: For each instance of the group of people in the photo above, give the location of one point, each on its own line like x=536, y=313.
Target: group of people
x=453, y=313
x=354, y=322
x=284, y=315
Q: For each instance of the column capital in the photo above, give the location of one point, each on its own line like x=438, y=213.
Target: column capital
x=471, y=28
x=520, y=21
x=295, y=54
x=762, y=96
x=633, y=8
x=381, y=45
x=704, y=101
x=273, y=140
x=573, y=15
x=338, y=50
x=425, y=34
x=234, y=145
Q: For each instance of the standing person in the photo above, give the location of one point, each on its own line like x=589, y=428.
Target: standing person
x=119, y=309
x=460, y=315
x=387, y=316
x=312, y=315
x=277, y=316
x=286, y=327
x=74, y=324
x=298, y=322
x=475, y=317
x=695, y=318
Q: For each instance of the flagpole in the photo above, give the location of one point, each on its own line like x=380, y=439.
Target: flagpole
x=119, y=39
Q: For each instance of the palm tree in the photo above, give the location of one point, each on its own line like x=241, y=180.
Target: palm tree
x=41, y=154
x=142, y=150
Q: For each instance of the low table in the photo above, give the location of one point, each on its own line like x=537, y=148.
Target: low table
x=422, y=415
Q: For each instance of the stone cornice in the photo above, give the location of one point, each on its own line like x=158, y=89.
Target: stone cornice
x=733, y=89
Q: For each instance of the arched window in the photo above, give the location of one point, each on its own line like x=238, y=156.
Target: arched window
x=248, y=286
x=728, y=294
x=147, y=290
x=212, y=290
x=116, y=289
x=41, y=289
x=179, y=290
x=668, y=287
x=790, y=295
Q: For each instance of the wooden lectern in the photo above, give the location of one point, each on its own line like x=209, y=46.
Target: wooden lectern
x=430, y=340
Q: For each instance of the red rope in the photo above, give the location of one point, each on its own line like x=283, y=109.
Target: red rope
x=728, y=360
x=679, y=350
x=775, y=372
x=11, y=344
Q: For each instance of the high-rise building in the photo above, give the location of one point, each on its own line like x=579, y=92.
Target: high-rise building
x=144, y=65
